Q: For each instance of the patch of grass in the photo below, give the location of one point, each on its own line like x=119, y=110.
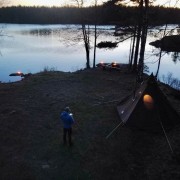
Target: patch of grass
x=48, y=69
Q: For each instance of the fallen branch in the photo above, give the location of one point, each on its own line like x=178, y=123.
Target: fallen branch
x=107, y=102
x=122, y=100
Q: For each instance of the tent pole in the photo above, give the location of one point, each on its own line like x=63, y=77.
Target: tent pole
x=167, y=138
x=113, y=130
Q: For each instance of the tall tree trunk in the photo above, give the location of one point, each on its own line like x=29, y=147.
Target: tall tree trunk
x=95, y=35
x=95, y=42
x=139, y=29
x=86, y=44
x=132, y=49
x=160, y=54
x=159, y=62
x=142, y=51
x=143, y=42
x=85, y=32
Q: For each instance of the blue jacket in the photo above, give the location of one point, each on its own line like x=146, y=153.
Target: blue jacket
x=67, y=119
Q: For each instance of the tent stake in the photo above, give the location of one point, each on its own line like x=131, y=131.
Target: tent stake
x=113, y=130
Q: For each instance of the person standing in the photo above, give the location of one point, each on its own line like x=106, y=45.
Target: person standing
x=68, y=121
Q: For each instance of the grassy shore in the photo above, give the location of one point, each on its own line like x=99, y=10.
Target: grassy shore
x=31, y=131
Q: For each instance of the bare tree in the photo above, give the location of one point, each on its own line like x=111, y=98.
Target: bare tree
x=143, y=38
x=138, y=35
x=132, y=48
x=85, y=32
x=160, y=55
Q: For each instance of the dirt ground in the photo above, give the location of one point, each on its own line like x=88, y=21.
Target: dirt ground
x=31, y=132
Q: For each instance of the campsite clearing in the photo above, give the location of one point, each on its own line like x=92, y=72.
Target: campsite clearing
x=31, y=132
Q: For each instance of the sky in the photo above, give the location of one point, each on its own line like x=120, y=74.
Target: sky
x=69, y=2
x=49, y=2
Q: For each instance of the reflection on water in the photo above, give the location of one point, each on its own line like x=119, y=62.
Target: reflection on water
x=41, y=32
x=31, y=48
x=175, y=56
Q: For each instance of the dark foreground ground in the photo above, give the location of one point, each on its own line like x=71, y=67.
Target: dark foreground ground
x=31, y=132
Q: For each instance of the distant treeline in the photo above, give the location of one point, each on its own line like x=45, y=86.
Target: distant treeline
x=101, y=15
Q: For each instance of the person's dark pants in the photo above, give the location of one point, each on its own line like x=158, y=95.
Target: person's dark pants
x=67, y=132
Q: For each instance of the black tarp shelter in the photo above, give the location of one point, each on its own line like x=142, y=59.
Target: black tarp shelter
x=148, y=109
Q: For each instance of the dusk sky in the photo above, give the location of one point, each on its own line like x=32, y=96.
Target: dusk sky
x=50, y=2
x=69, y=2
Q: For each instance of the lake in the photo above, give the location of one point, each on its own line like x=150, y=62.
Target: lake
x=33, y=48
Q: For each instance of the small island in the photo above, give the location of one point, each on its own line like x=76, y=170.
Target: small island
x=168, y=43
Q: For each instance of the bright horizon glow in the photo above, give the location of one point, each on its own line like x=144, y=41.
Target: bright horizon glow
x=50, y=3
x=168, y=3
x=165, y=3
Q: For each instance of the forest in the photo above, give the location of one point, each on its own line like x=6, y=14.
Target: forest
x=102, y=15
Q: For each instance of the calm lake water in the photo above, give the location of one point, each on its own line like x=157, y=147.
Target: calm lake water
x=32, y=48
